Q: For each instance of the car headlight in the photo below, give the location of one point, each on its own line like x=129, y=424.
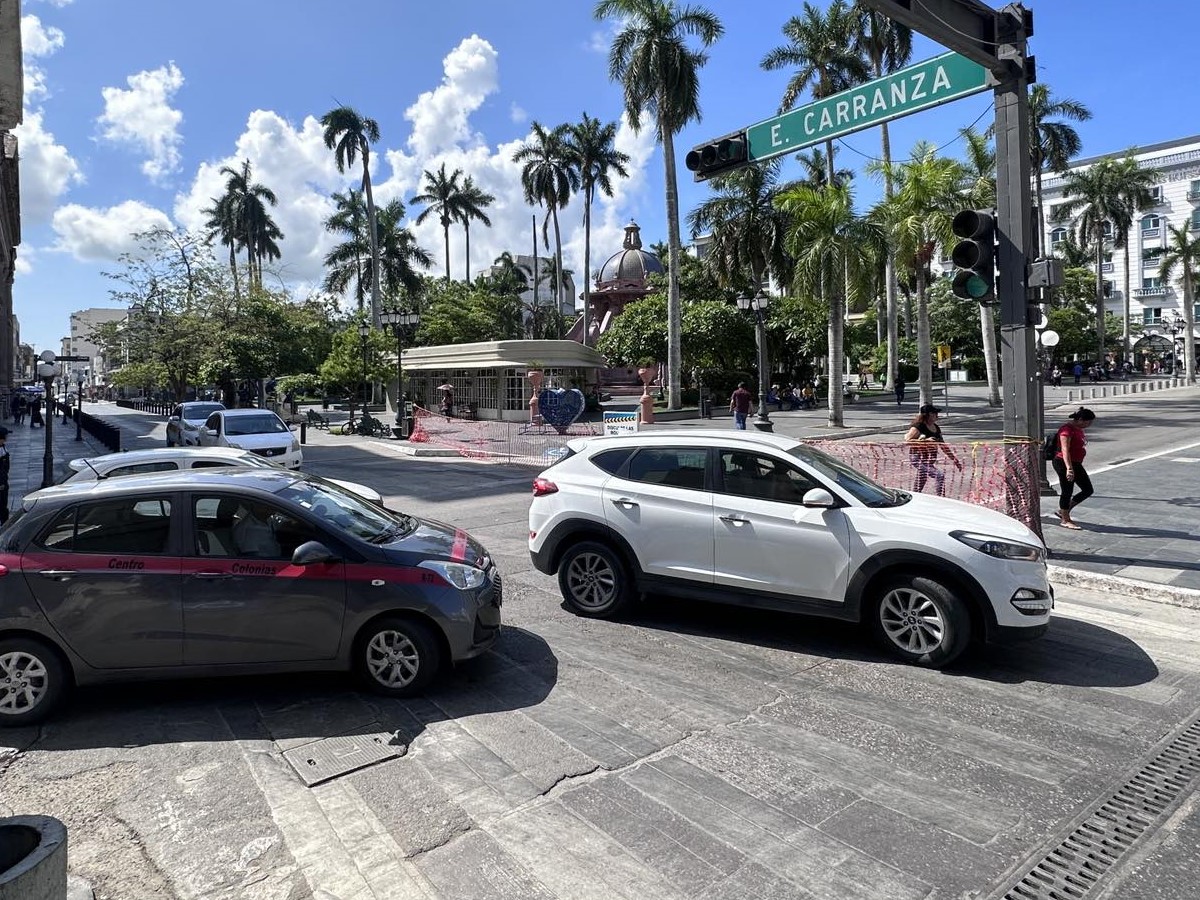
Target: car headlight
x=463, y=577
x=295, y=445
x=1000, y=548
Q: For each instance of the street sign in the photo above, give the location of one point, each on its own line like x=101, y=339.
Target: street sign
x=921, y=86
x=72, y=359
x=943, y=355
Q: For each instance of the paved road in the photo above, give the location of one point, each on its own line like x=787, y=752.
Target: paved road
x=689, y=752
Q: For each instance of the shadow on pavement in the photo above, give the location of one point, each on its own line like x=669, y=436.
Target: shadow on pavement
x=519, y=672
x=1102, y=559
x=1070, y=653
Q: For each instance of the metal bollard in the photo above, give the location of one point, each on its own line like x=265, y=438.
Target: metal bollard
x=303, y=432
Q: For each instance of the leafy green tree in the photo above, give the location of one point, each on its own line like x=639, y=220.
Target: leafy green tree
x=459, y=313
x=639, y=333
x=350, y=135
x=345, y=261
x=1133, y=187
x=442, y=196
x=717, y=337
x=660, y=77
x=346, y=369
x=1182, y=252
x=591, y=151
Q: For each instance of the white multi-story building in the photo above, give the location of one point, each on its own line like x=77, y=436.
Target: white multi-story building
x=1157, y=306
x=84, y=323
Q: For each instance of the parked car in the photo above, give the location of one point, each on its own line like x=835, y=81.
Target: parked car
x=231, y=572
x=186, y=420
x=764, y=520
x=258, y=430
x=173, y=459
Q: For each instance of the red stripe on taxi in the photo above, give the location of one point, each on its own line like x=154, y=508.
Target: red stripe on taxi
x=458, y=552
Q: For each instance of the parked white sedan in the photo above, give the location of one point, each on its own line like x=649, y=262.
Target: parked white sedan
x=259, y=430
x=183, y=426
x=170, y=459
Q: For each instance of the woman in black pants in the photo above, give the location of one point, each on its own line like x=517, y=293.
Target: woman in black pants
x=1068, y=464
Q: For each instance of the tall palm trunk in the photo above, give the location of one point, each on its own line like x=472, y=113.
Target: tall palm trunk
x=587, y=264
x=446, y=236
x=233, y=269
x=835, y=300
x=1189, y=322
x=889, y=271
x=358, y=282
x=1099, y=293
x=924, y=362
x=558, y=273
x=467, y=235
x=674, y=307
x=373, y=230
x=991, y=362
x=535, y=317
x=1126, y=342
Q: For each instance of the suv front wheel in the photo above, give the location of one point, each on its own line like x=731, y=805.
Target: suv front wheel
x=593, y=580
x=921, y=621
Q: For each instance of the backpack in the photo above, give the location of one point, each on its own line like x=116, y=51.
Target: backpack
x=1050, y=446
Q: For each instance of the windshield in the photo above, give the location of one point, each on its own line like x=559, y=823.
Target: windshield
x=850, y=480
x=348, y=512
x=201, y=410
x=267, y=423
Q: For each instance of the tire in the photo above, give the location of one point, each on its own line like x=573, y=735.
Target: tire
x=594, y=581
x=397, y=657
x=33, y=681
x=921, y=621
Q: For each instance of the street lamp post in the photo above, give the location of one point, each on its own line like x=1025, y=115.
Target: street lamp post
x=364, y=332
x=79, y=405
x=758, y=303
x=46, y=371
x=398, y=320
x=1175, y=325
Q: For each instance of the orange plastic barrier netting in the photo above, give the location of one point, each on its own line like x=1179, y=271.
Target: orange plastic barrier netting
x=999, y=475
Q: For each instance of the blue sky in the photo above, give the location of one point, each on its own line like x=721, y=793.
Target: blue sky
x=132, y=107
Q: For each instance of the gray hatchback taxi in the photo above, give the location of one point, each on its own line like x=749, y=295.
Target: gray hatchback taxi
x=230, y=572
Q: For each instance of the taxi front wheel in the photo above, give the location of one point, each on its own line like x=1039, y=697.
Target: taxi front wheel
x=398, y=657
x=33, y=681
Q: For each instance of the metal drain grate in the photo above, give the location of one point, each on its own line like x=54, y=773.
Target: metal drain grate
x=1075, y=866
x=336, y=756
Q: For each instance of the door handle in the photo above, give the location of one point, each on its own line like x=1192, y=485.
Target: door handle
x=735, y=520
x=58, y=574
x=210, y=575
x=626, y=503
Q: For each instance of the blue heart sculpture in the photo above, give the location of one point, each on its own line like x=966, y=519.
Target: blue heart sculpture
x=560, y=407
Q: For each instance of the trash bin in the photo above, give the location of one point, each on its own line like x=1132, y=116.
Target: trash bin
x=706, y=408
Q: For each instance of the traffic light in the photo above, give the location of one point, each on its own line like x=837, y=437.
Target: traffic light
x=718, y=156
x=974, y=256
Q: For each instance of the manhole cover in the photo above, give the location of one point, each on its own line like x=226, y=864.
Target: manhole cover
x=1073, y=868
x=334, y=756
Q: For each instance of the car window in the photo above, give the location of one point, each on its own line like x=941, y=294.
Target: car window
x=200, y=410
x=266, y=423
x=747, y=474
x=143, y=468
x=243, y=528
x=347, y=512
x=212, y=464
x=610, y=461
x=671, y=466
x=213, y=422
x=112, y=526
x=851, y=480
x=177, y=412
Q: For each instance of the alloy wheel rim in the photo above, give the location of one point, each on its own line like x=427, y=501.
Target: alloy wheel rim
x=392, y=659
x=912, y=621
x=591, y=580
x=23, y=682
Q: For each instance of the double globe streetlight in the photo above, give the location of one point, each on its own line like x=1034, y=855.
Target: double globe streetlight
x=759, y=303
x=398, y=320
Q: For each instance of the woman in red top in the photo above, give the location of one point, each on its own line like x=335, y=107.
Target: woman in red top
x=1068, y=464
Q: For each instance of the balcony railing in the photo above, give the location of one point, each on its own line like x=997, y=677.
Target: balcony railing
x=1151, y=233
x=1150, y=292
x=1194, y=194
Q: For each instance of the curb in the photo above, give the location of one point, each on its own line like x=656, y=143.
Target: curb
x=1140, y=590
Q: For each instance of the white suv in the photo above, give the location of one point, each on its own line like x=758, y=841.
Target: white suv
x=767, y=521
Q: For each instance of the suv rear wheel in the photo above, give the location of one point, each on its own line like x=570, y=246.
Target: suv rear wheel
x=921, y=621
x=593, y=580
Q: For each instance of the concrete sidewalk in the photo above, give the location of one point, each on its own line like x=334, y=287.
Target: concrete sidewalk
x=27, y=446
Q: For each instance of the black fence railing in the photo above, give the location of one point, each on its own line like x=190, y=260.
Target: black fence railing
x=108, y=435
x=153, y=407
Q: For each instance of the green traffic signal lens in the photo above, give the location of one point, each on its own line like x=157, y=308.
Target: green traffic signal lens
x=977, y=287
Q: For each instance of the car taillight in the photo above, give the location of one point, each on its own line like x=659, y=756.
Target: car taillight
x=3, y=571
x=544, y=486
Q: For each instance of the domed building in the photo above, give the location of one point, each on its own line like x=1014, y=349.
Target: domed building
x=622, y=279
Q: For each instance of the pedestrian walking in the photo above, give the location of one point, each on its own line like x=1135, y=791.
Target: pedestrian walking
x=739, y=405
x=925, y=436
x=35, y=413
x=1068, y=465
x=1056, y=377
x=898, y=385
x=1077, y=372
x=17, y=406
x=5, y=463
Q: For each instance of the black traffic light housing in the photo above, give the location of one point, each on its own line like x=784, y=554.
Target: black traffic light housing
x=974, y=256
x=718, y=156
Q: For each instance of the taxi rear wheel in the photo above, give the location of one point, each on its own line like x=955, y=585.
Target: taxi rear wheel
x=33, y=681
x=398, y=657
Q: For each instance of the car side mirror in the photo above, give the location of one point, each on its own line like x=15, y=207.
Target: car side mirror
x=312, y=553
x=819, y=498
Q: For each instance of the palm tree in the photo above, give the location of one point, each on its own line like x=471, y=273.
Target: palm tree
x=509, y=276
x=399, y=253
x=1183, y=251
x=749, y=230
x=885, y=46
x=1092, y=197
x=350, y=135
x=1051, y=143
x=816, y=169
x=553, y=274
x=1133, y=187
x=917, y=219
x=245, y=203
x=473, y=200
x=548, y=178
x=443, y=197
x=979, y=186
x=222, y=223
x=349, y=219
x=591, y=150
x=836, y=253
x=660, y=77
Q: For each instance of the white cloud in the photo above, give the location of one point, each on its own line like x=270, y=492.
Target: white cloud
x=144, y=118
x=104, y=234
x=37, y=41
x=47, y=169
x=23, y=264
x=517, y=114
x=441, y=117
